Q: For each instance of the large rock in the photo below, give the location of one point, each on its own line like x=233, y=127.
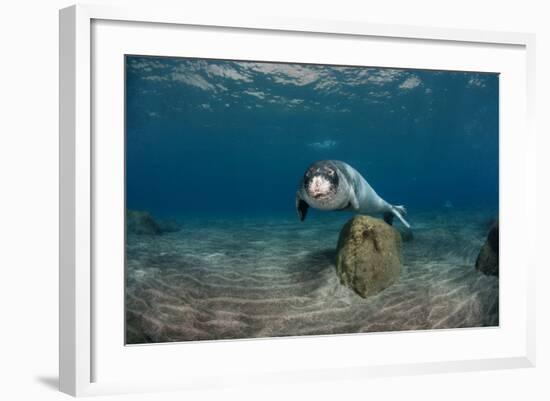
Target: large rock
x=487, y=260
x=368, y=256
x=141, y=223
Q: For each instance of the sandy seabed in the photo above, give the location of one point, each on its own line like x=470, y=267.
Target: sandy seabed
x=248, y=277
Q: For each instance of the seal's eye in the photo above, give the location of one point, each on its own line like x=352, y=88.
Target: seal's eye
x=331, y=173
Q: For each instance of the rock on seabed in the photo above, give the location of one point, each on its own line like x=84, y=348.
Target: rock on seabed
x=368, y=256
x=142, y=223
x=487, y=260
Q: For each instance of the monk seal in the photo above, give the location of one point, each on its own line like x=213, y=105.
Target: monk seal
x=335, y=185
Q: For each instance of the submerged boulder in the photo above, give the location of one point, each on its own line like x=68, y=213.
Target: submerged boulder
x=368, y=256
x=487, y=260
x=142, y=223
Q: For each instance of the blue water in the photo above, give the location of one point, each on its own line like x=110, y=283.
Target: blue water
x=226, y=137
x=220, y=146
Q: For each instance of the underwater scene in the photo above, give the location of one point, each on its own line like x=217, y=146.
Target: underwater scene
x=279, y=199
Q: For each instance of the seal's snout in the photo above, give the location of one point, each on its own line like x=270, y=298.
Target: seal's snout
x=320, y=182
x=319, y=186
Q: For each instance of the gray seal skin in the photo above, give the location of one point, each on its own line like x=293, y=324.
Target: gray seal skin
x=335, y=185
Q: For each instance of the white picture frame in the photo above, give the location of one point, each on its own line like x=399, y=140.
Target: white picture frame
x=83, y=344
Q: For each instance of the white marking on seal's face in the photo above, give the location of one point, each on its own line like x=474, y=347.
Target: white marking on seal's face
x=319, y=187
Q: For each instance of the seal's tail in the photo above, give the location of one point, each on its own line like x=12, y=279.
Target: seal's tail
x=399, y=212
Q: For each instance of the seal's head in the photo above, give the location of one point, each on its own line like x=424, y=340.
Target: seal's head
x=321, y=183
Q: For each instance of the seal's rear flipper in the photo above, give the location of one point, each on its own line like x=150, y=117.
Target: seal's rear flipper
x=399, y=211
x=301, y=207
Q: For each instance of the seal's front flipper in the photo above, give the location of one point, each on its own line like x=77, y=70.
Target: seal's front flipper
x=301, y=207
x=399, y=211
x=388, y=218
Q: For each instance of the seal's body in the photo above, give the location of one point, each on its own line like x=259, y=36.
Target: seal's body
x=335, y=185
